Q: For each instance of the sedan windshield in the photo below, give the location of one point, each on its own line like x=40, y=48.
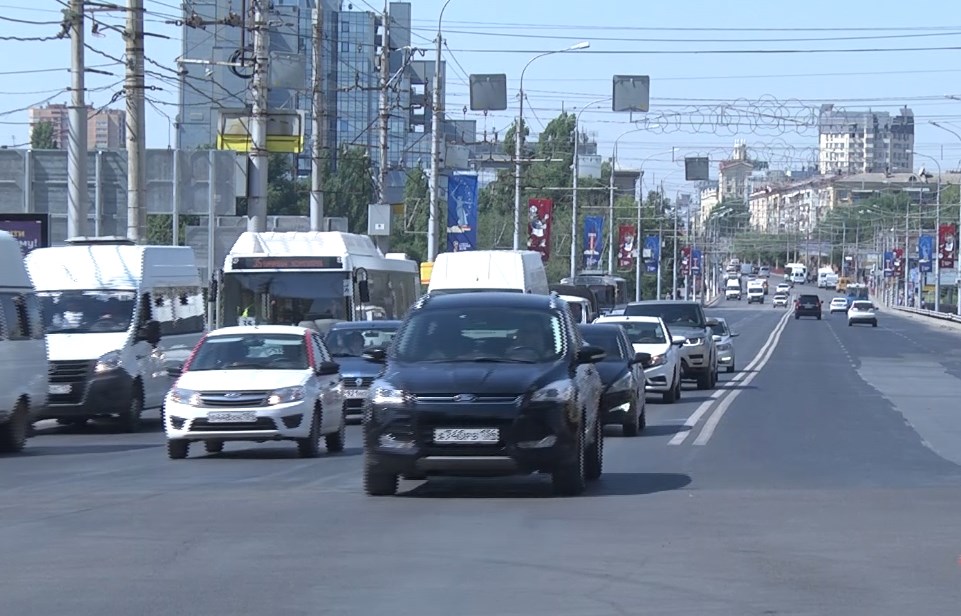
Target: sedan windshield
x=480, y=334
x=606, y=342
x=78, y=312
x=687, y=315
x=644, y=333
x=251, y=352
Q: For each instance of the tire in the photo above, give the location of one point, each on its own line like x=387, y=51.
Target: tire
x=377, y=483
x=632, y=423
x=704, y=380
x=569, y=478
x=670, y=397
x=177, y=449
x=594, y=454
x=309, y=447
x=335, y=441
x=130, y=420
x=642, y=421
x=874, y=323
x=850, y=324
x=797, y=317
x=819, y=317
x=13, y=432
x=213, y=446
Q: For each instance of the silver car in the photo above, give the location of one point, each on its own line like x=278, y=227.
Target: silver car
x=724, y=339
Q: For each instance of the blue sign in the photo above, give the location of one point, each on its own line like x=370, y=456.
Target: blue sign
x=652, y=253
x=461, y=213
x=593, y=241
x=696, y=261
x=925, y=253
x=888, y=264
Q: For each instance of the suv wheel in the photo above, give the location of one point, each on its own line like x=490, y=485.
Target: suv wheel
x=13, y=433
x=704, y=380
x=377, y=483
x=569, y=478
x=177, y=449
x=213, y=446
x=674, y=394
x=594, y=456
x=335, y=440
x=310, y=447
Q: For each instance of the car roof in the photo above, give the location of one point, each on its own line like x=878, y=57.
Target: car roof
x=380, y=324
x=660, y=302
x=233, y=330
x=609, y=329
x=862, y=302
x=620, y=318
x=488, y=298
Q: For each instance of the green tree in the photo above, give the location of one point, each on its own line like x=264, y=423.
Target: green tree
x=409, y=232
x=349, y=188
x=42, y=136
x=287, y=195
x=160, y=229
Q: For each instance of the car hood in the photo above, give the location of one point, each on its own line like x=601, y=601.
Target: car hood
x=494, y=379
x=357, y=367
x=92, y=345
x=241, y=380
x=610, y=371
x=658, y=348
x=687, y=331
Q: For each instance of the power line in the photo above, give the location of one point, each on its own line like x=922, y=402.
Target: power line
x=714, y=51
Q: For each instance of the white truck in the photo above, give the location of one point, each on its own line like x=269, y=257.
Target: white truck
x=755, y=291
x=827, y=279
x=732, y=289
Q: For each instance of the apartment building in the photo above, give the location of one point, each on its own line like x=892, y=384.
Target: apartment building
x=851, y=142
x=106, y=128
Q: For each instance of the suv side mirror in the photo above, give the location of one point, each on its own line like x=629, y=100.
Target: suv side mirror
x=326, y=368
x=717, y=338
x=149, y=332
x=735, y=334
x=678, y=340
x=377, y=355
x=642, y=358
x=588, y=354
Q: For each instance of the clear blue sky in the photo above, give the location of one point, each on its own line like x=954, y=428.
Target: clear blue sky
x=500, y=36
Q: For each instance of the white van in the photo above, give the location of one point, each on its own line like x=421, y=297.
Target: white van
x=755, y=291
x=23, y=352
x=580, y=308
x=520, y=271
x=732, y=290
x=118, y=316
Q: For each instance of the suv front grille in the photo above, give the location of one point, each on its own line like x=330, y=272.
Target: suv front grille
x=466, y=399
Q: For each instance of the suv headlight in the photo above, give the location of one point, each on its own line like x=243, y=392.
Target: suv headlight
x=623, y=383
x=184, y=396
x=696, y=341
x=107, y=362
x=558, y=391
x=382, y=393
x=286, y=394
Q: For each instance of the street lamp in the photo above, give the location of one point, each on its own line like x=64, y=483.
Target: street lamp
x=937, y=233
x=438, y=113
x=576, y=165
x=519, y=138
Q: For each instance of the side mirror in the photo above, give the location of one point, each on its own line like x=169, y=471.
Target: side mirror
x=363, y=290
x=149, y=332
x=327, y=368
x=590, y=354
x=735, y=334
x=642, y=358
x=678, y=340
x=377, y=355
x=717, y=338
x=175, y=371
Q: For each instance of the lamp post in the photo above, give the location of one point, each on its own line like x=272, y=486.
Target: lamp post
x=438, y=119
x=937, y=232
x=576, y=165
x=519, y=138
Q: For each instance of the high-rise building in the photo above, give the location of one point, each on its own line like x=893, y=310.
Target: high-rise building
x=106, y=128
x=865, y=141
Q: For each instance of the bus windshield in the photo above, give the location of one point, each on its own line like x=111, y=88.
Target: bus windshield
x=283, y=298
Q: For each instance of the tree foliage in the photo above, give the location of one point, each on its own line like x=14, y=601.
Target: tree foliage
x=42, y=136
x=409, y=231
x=349, y=188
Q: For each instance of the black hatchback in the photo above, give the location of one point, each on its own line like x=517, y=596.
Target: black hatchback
x=622, y=374
x=807, y=305
x=485, y=384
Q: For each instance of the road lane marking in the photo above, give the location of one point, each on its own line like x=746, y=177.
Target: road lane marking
x=741, y=377
x=711, y=424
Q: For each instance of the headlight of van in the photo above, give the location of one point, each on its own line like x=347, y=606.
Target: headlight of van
x=107, y=362
x=657, y=360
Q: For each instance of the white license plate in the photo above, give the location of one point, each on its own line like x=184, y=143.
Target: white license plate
x=355, y=393
x=232, y=417
x=467, y=435
x=59, y=389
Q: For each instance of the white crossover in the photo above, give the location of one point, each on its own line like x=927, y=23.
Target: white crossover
x=651, y=335
x=256, y=383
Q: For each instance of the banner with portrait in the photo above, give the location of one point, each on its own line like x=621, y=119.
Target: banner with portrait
x=627, y=246
x=540, y=214
x=461, y=213
x=652, y=253
x=925, y=254
x=947, y=246
x=593, y=241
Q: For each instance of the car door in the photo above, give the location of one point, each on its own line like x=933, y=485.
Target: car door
x=331, y=400
x=640, y=380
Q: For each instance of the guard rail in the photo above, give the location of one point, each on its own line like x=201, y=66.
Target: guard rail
x=943, y=316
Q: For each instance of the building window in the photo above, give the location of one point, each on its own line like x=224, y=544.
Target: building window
x=345, y=26
x=345, y=47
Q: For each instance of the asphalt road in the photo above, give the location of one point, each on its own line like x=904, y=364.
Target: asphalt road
x=823, y=479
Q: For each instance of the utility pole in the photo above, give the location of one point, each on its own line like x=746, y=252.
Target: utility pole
x=77, y=132
x=257, y=197
x=437, y=109
x=136, y=124
x=319, y=112
x=384, y=106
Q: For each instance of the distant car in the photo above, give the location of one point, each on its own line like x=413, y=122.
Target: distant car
x=651, y=335
x=779, y=301
x=623, y=399
x=838, y=304
x=862, y=312
x=724, y=338
x=807, y=305
x=347, y=342
x=755, y=294
x=783, y=287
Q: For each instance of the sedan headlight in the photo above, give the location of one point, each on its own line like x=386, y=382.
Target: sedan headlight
x=185, y=396
x=625, y=382
x=107, y=362
x=724, y=346
x=558, y=391
x=657, y=360
x=286, y=394
x=386, y=394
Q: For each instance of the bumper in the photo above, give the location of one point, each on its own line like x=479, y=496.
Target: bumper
x=862, y=320
x=833, y=310
x=807, y=313
x=102, y=394
x=725, y=358
x=615, y=406
x=276, y=423
x=755, y=298
x=736, y=296
x=400, y=440
x=659, y=379
x=695, y=359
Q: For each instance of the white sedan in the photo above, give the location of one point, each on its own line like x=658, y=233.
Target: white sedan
x=783, y=288
x=862, y=312
x=651, y=335
x=264, y=383
x=838, y=304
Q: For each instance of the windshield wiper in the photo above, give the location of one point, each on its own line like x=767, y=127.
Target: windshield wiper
x=343, y=355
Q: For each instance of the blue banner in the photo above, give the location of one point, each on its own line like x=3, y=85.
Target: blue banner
x=461, y=213
x=652, y=252
x=593, y=241
x=696, y=261
x=888, y=264
x=925, y=253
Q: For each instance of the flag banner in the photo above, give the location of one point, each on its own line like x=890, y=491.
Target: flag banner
x=696, y=261
x=461, y=213
x=593, y=241
x=541, y=214
x=627, y=251
x=652, y=253
x=925, y=253
x=947, y=246
x=888, y=264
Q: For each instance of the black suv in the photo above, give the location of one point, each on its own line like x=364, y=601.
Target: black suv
x=686, y=318
x=481, y=384
x=808, y=305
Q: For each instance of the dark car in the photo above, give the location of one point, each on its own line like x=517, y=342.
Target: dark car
x=485, y=384
x=807, y=305
x=347, y=342
x=686, y=318
x=623, y=401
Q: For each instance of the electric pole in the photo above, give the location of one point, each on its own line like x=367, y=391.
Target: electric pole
x=77, y=131
x=257, y=193
x=136, y=124
x=435, y=137
x=384, y=106
x=320, y=125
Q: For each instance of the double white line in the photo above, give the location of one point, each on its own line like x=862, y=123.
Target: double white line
x=725, y=396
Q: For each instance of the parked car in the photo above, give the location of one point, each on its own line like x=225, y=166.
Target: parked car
x=347, y=342
x=651, y=335
x=724, y=339
x=862, y=312
x=807, y=305
x=623, y=399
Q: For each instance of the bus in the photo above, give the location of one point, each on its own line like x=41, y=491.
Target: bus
x=611, y=291
x=312, y=279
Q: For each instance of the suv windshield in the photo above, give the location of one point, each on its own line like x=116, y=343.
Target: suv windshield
x=251, y=352
x=685, y=315
x=354, y=341
x=490, y=334
x=809, y=299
